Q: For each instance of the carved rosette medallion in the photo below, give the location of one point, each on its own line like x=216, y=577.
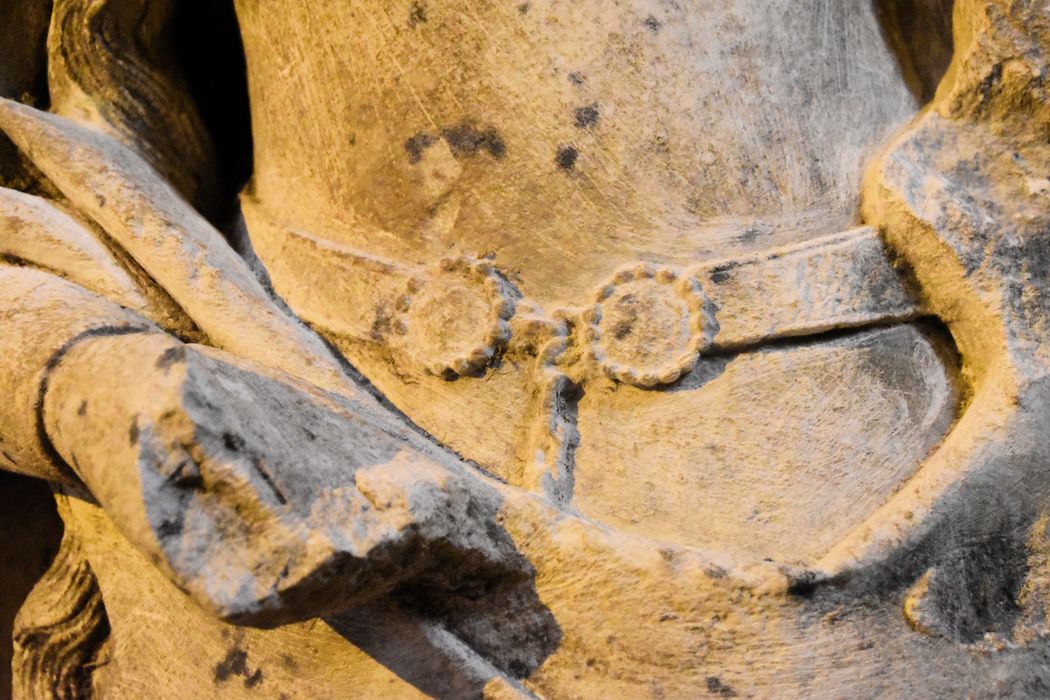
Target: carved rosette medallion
x=455, y=320
x=648, y=326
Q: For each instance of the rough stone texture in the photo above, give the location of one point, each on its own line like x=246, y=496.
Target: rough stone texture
x=564, y=349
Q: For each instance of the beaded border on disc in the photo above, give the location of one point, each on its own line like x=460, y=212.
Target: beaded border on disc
x=484, y=276
x=688, y=290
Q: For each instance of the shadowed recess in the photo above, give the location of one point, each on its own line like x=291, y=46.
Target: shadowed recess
x=920, y=34
x=207, y=45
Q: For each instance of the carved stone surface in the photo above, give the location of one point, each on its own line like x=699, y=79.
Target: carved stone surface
x=577, y=349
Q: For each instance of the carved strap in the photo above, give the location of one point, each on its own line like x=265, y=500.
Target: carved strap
x=646, y=326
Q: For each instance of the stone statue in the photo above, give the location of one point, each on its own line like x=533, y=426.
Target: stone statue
x=553, y=349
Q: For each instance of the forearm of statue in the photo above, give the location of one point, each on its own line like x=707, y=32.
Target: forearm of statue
x=264, y=498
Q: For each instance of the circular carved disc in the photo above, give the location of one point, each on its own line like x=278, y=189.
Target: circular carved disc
x=456, y=318
x=648, y=326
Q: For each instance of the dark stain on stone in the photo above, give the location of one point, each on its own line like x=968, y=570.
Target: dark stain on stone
x=381, y=326
x=187, y=475
x=254, y=679
x=566, y=157
x=715, y=685
x=587, y=116
x=523, y=8
x=101, y=200
x=991, y=82
x=236, y=664
x=13, y=260
x=170, y=357
x=720, y=274
x=576, y=78
x=622, y=330
x=232, y=442
x=652, y=24
x=417, y=14
x=82, y=410
x=416, y=145
x=169, y=528
x=804, y=585
x=466, y=139
x=133, y=433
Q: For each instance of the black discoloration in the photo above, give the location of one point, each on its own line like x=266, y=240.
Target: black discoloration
x=417, y=14
x=721, y=274
x=466, y=139
x=187, y=475
x=622, y=329
x=715, y=685
x=232, y=442
x=14, y=260
x=804, y=585
x=236, y=664
x=170, y=357
x=991, y=82
x=652, y=24
x=576, y=78
x=416, y=145
x=566, y=157
x=523, y=8
x=101, y=200
x=82, y=410
x=587, y=116
x=169, y=528
x=254, y=679
x=133, y=433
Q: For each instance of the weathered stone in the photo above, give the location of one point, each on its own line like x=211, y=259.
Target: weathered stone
x=563, y=349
